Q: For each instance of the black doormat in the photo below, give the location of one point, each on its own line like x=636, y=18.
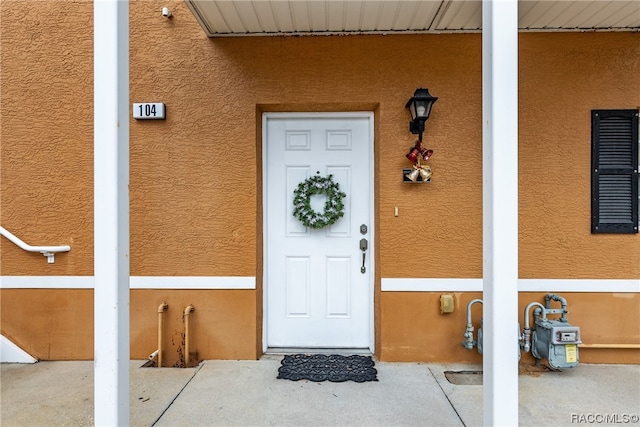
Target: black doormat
x=322, y=367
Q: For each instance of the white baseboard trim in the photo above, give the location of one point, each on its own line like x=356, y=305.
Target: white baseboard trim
x=11, y=353
x=189, y=282
x=388, y=284
x=46, y=282
x=431, y=285
x=579, y=285
x=524, y=285
x=135, y=282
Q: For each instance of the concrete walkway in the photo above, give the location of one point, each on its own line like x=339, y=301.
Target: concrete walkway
x=247, y=393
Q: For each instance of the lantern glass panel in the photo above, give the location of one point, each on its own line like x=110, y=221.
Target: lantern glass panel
x=412, y=110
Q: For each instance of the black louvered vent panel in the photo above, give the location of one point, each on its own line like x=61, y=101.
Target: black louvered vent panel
x=615, y=142
x=614, y=172
x=615, y=206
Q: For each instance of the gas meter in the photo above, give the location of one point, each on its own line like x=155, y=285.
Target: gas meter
x=555, y=340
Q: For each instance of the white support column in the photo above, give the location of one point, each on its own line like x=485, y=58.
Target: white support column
x=111, y=212
x=500, y=211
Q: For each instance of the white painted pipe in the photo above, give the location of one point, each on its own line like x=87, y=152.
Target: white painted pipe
x=48, y=251
x=154, y=355
x=526, y=336
x=187, y=335
x=473, y=301
x=528, y=308
x=468, y=333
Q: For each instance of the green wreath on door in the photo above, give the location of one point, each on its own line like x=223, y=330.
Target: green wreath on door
x=333, y=207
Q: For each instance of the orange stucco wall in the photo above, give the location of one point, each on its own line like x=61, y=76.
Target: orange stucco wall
x=49, y=324
x=413, y=328
x=58, y=324
x=562, y=78
x=195, y=183
x=222, y=324
x=46, y=133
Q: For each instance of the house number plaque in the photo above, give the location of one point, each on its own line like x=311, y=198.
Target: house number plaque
x=149, y=111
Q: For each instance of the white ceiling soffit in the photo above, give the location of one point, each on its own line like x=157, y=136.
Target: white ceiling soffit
x=278, y=17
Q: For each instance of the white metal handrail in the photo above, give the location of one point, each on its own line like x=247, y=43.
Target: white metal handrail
x=48, y=251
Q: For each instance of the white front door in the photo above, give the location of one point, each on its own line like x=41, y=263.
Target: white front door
x=317, y=293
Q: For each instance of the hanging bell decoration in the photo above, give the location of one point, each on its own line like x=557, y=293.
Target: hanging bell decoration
x=416, y=154
x=426, y=154
x=413, y=154
x=413, y=175
x=425, y=173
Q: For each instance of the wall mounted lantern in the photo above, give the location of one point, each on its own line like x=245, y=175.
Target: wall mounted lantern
x=420, y=108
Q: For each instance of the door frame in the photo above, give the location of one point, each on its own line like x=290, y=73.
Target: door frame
x=371, y=233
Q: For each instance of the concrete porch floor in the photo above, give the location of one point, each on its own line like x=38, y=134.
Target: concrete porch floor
x=247, y=393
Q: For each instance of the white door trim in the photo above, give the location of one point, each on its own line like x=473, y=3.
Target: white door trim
x=371, y=232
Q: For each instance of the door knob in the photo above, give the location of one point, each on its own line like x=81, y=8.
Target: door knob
x=364, y=244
